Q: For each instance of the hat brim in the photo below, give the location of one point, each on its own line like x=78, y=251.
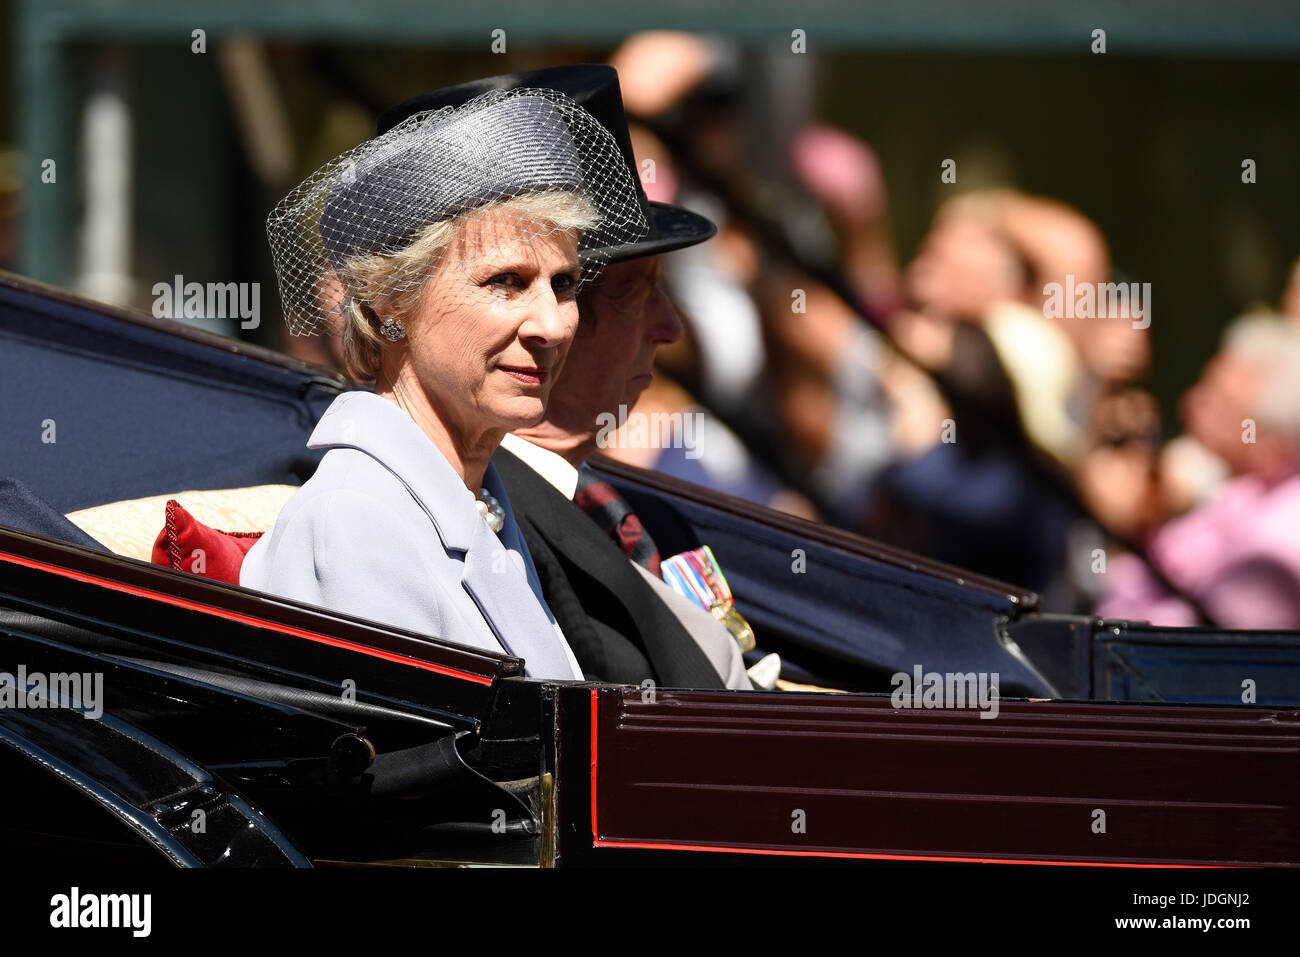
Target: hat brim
x=672, y=228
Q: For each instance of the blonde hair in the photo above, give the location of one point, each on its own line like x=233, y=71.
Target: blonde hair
x=384, y=279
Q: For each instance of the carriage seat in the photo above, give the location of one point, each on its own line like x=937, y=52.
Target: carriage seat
x=206, y=532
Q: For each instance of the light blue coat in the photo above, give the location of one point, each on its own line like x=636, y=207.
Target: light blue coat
x=385, y=530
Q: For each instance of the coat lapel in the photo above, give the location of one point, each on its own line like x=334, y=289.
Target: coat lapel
x=678, y=661
x=497, y=578
x=364, y=421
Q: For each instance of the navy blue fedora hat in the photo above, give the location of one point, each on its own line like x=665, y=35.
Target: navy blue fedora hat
x=595, y=88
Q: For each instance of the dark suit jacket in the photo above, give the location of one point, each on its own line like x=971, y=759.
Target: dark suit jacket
x=617, y=626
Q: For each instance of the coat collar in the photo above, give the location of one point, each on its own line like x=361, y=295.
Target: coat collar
x=496, y=571
x=549, y=465
x=371, y=424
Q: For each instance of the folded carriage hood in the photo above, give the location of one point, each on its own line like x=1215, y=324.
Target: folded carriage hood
x=102, y=404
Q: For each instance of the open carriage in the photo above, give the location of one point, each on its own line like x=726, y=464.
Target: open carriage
x=242, y=729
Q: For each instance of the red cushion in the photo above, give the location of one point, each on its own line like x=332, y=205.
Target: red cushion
x=187, y=544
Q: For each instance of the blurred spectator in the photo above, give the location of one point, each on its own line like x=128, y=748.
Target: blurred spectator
x=844, y=175
x=1238, y=554
x=657, y=69
x=794, y=375
x=1118, y=474
x=832, y=373
x=967, y=261
x=1057, y=392
x=1017, y=381
x=972, y=324
x=706, y=452
x=988, y=260
x=697, y=97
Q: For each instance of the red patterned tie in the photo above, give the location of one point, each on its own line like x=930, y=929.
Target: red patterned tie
x=614, y=515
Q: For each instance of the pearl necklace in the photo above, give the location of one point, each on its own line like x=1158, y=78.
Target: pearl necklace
x=491, y=510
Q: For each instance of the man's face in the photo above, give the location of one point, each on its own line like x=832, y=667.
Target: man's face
x=624, y=317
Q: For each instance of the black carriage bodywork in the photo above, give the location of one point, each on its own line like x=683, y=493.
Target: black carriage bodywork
x=296, y=735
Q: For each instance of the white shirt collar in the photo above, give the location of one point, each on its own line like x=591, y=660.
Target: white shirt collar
x=545, y=463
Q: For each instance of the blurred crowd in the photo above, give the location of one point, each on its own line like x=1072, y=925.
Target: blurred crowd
x=943, y=405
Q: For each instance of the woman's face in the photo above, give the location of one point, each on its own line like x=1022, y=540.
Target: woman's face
x=496, y=321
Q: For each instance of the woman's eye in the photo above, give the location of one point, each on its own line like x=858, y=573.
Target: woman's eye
x=506, y=280
x=565, y=285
